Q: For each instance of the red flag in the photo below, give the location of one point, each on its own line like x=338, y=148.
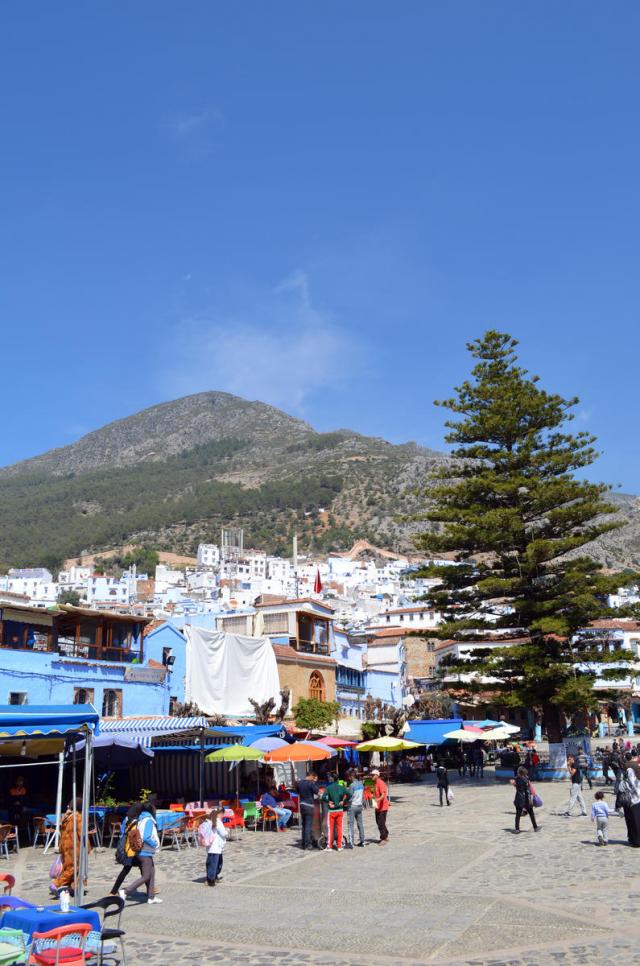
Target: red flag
x=317, y=587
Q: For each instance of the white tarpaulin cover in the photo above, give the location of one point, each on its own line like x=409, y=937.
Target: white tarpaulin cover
x=225, y=670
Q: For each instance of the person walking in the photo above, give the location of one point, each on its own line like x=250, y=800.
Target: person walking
x=381, y=806
x=629, y=797
x=70, y=840
x=582, y=762
x=600, y=815
x=147, y=831
x=575, y=793
x=442, y=784
x=308, y=790
x=213, y=834
x=523, y=800
x=356, y=805
x=127, y=861
x=479, y=761
x=337, y=799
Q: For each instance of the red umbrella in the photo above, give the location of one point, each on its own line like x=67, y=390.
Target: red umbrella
x=334, y=742
x=317, y=587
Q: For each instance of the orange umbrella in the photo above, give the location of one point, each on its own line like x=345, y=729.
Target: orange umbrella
x=299, y=751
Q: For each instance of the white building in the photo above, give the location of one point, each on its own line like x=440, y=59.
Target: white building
x=208, y=555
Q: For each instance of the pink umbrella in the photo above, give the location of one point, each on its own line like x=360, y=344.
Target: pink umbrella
x=334, y=742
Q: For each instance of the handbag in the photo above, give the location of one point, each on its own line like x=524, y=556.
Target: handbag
x=56, y=868
x=536, y=801
x=450, y=795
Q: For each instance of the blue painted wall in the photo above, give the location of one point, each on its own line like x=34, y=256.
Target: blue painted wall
x=385, y=685
x=169, y=636
x=47, y=678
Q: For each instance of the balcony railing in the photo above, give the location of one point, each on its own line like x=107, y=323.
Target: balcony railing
x=311, y=647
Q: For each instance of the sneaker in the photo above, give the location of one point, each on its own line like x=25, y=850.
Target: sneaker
x=537, y=828
x=219, y=878
x=122, y=893
x=360, y=845
x=349, y=845
x=340, y=848
x=153, y=900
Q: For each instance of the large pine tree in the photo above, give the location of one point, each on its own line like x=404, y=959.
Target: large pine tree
x=512, y=515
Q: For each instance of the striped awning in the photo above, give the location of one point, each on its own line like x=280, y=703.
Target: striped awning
x=28, y=721
x=144, y=730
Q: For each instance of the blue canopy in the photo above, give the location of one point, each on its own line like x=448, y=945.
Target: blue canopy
x=33, y=720
x=431, y=732
x=251, y=733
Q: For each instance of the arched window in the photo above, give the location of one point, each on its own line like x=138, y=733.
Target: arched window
x=82, y=696
x=111, y=703
x=316, y=686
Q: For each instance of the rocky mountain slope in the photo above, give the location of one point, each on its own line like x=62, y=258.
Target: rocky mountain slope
x=173, y=474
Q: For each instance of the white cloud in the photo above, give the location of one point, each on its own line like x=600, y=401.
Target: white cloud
x=282, y=352
x=184, y=125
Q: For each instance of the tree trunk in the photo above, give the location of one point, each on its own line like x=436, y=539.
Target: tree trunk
x=553, y=722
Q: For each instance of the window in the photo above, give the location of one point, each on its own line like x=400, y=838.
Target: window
x=173, y=703
x=83, y=695
x=316, y=686
x=431, y=646
x=112, y=703
x=18, y=697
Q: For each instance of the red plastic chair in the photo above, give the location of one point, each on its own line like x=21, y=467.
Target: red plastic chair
x=60, y=955
x=9, y=882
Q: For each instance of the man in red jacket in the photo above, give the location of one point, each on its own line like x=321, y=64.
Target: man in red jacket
x=381, y=805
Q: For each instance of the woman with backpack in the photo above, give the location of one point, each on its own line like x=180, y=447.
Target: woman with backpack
x=523, y=800
x=142, y=842
x=126, y=861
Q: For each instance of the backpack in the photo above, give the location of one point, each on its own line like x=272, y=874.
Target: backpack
x=133, y=841
x=624, y=790
x=205, y=834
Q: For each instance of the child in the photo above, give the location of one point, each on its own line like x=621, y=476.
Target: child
x=600, y=815
x=212, y=834
x=442, y=783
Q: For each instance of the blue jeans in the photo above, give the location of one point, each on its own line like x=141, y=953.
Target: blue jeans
x=284, y=814
x=214, y=865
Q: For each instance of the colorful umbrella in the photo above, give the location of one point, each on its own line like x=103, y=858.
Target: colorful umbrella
x=388, y=743
x=333, y=742
x=268, y=744
x=300, y=751
x=466, y=734
x=498, y=734
x=235, y=753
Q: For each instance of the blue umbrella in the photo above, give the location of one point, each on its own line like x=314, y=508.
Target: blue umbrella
x=268, y=744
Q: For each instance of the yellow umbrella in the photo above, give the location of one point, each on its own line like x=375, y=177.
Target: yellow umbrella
x=388, y=743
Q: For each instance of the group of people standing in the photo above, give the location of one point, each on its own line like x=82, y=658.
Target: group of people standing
x=339, y=797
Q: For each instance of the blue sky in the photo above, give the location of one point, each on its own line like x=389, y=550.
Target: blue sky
x=317, y=205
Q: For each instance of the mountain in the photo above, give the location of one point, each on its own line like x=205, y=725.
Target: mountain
x=172, y=475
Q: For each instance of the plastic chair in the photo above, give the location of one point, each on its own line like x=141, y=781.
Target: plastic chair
x=42, y=827
x=112, y=827
x=54, y=953
x=8, y=836
x=9, y=882
x=112, y=907
x=250, y=813
x=12, y=947
x=177, y=833
x=268, y=815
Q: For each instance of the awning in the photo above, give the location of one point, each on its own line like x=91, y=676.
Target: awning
x=28, y=721
x=431, y=732
x=145, y=730
x=41, y=617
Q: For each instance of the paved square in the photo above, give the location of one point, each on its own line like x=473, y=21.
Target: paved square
x=454, y=885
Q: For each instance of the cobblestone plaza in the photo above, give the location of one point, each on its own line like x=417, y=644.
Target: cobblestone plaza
x=453, y=885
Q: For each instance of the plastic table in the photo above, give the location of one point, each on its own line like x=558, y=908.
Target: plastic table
x=44, y=918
